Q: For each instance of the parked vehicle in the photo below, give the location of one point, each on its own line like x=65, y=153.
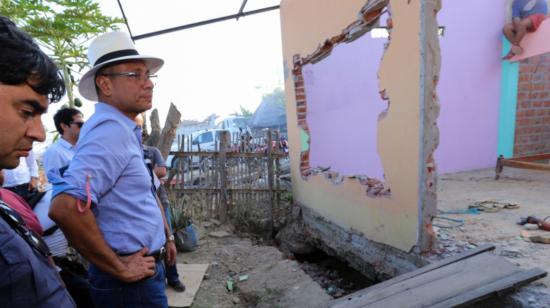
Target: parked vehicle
x=205, y=141
x=234, y=124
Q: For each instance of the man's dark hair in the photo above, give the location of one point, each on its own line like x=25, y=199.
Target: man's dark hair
x=65, y=116
x=22, y=62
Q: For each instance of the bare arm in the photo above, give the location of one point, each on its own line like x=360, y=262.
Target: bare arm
x=160, y=171
x=83, y=233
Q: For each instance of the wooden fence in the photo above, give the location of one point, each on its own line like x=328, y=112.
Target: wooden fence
x=240, y=177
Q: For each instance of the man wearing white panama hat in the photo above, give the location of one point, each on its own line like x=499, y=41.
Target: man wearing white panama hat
x=104, y=202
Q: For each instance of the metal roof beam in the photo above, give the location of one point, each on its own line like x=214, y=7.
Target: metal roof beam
x=203, y=23
x=125, y=19
x=241, y=9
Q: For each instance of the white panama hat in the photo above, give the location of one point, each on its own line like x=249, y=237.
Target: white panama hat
x=108, y=48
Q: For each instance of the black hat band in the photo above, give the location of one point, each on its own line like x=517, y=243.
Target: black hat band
x=116, y=54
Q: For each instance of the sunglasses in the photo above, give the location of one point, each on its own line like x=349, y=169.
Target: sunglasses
x=79, y=124
x=18, y=225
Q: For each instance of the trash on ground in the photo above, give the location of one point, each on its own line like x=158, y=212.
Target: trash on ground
x=229, y=285
x=219, y=234
x=243, y=278
x=491, y=206
x=530, y=226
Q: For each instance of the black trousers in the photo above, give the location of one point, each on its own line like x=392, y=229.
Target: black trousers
x=75, y=277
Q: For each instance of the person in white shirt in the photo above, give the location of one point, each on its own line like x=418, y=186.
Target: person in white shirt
x=68, y=122
x=23, y=180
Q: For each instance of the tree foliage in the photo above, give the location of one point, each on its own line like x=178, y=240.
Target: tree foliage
x=243, y=112
x=61, y=27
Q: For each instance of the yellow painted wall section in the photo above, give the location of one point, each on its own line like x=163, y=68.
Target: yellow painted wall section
x=390, y=220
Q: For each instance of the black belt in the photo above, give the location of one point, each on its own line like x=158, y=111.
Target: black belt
x=158, y=254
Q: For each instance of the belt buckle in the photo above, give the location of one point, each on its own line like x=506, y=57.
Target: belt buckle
x=162, y=253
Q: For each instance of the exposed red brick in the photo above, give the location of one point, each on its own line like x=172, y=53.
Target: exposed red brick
x=532, y=135
x=300, y=97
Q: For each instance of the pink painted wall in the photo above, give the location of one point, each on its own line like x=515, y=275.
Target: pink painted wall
x=469, y=88
x=343, y=108
x=344, y=104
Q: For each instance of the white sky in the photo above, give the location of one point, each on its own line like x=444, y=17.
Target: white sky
x=208, y=69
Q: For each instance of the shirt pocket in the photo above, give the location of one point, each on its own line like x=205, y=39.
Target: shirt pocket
x=17, y=282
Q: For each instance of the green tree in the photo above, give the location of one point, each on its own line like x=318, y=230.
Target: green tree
x=61, y=27
x=243, y=112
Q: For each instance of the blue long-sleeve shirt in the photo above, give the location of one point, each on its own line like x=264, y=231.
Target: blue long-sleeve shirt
x=109, y=151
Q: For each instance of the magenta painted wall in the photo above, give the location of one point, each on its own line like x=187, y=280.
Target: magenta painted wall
x=344, y=104
x=469, y=88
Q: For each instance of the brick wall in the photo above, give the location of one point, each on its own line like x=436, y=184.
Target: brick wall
x=532, y=135
x=301, y=111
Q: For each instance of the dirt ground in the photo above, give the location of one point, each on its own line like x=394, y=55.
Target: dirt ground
x=530, y=190
x=272, y=280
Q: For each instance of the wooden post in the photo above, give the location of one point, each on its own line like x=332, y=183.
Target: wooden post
x=270, y=176
x=225, y=141
x=278, y=172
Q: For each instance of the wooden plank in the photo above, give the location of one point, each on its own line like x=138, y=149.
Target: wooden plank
x=442, y=282
x=525, y=165
x=277, y=172
x=476, y=294
x=439, y=284
x=342, y=302
x=474, y=278
x=270, y=175
x=538, y=157
x=191, y=276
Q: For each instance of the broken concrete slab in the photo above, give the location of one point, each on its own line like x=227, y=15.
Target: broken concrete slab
x=191, y=276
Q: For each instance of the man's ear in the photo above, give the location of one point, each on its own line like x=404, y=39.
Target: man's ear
x=104, y=85
x=64, y=126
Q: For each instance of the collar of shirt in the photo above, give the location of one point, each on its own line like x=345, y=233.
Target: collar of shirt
x=66, y=144
x=106, y=108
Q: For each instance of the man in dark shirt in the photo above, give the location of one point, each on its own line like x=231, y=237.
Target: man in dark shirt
x=29, y=81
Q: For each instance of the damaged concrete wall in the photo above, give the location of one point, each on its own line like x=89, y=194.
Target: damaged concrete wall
x=406, y=134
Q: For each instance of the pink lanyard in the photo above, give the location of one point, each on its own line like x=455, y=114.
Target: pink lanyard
x=88, y=197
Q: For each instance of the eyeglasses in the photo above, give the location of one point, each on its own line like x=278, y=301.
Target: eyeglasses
x=18, y=225
x=136, y=76
x=79, y=124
